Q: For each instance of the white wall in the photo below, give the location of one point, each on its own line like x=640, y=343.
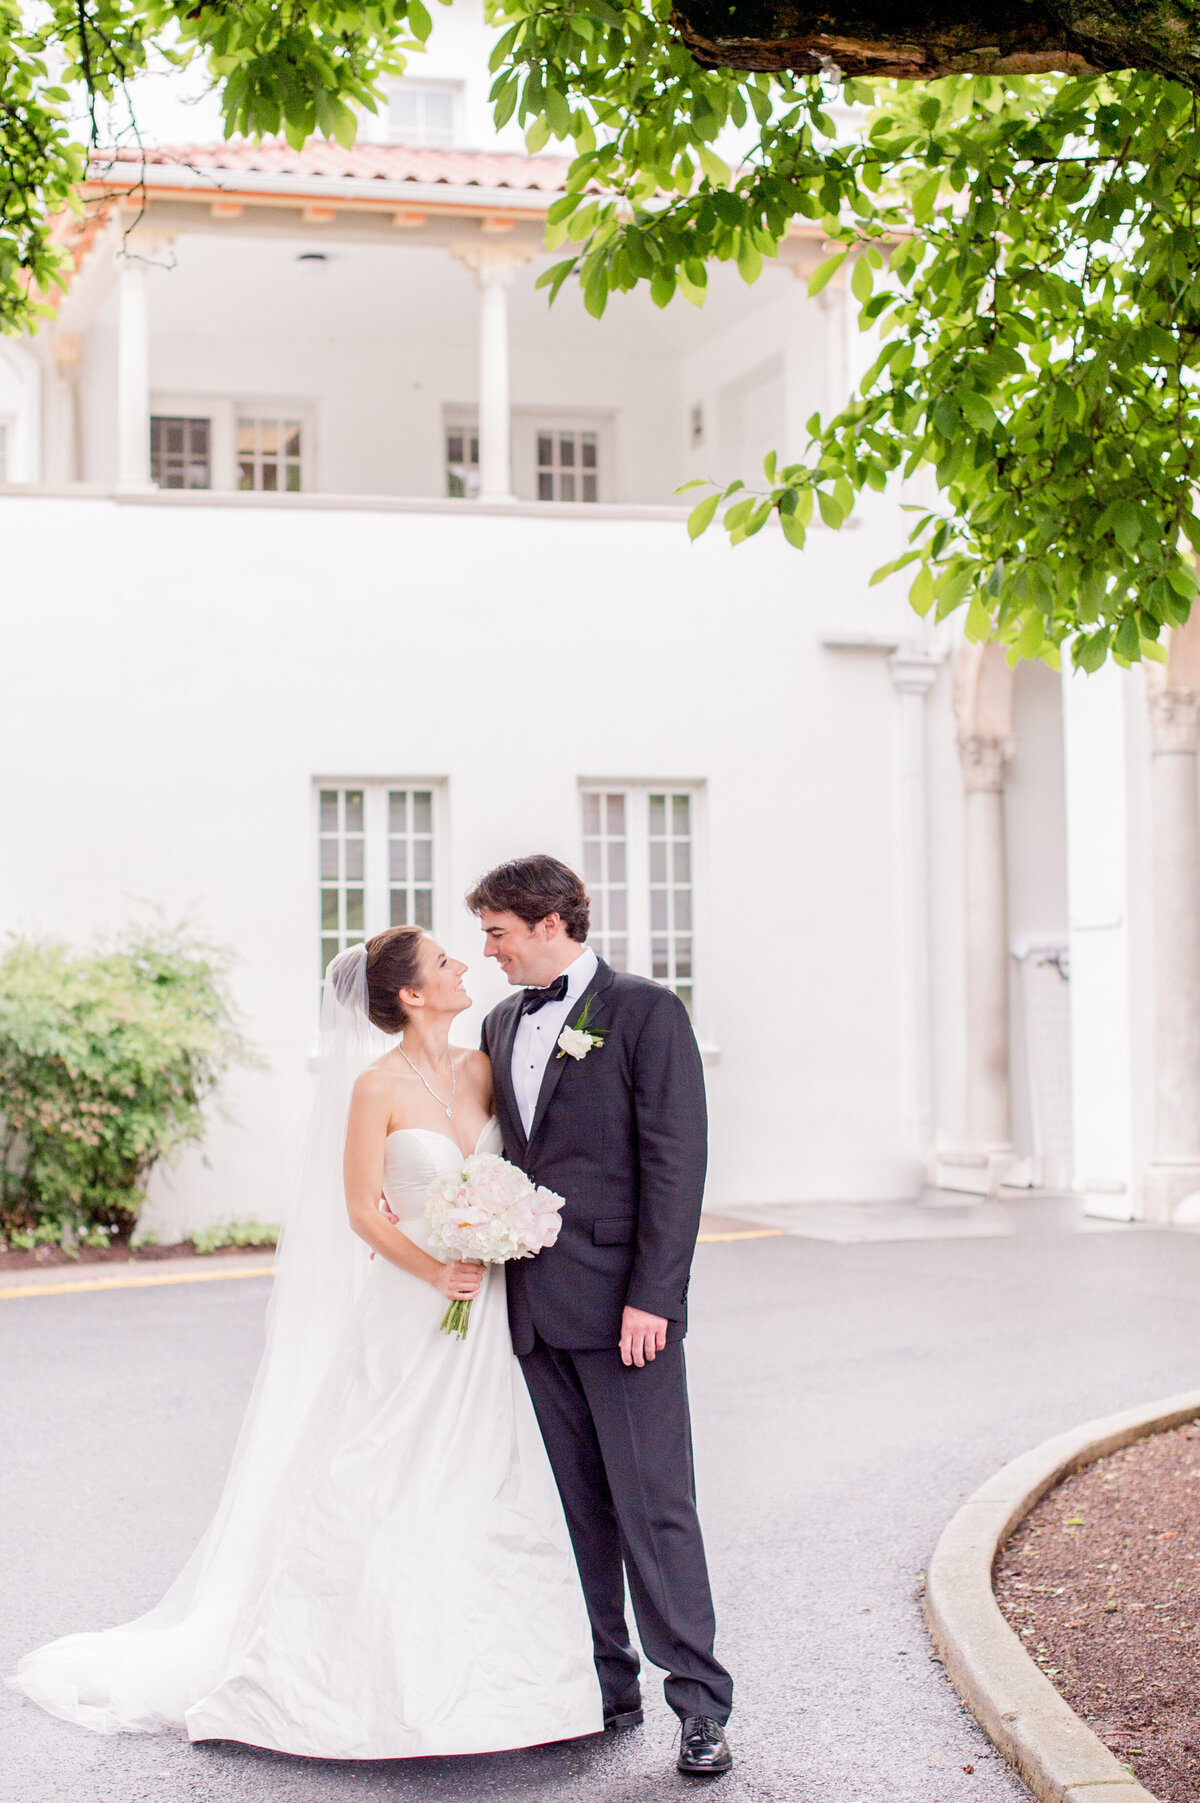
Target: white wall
x=163, y=721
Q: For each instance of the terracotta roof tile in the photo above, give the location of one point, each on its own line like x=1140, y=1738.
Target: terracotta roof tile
x=364, y=162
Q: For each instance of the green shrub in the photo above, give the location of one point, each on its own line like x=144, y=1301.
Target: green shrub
x=234, y=1233
x=106, y=1059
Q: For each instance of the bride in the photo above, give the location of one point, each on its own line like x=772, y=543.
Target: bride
x=388, y=1573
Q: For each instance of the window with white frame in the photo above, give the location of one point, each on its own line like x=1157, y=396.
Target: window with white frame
x=269, y=453
x=568, y=464
x=639, y=863
x=423, y=113
x=376, y=846
x=462, y=460
x=180, y=451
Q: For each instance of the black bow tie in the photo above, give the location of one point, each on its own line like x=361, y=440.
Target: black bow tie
x=533, y=999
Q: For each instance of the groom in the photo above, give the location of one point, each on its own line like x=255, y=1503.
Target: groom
x=600, y=1096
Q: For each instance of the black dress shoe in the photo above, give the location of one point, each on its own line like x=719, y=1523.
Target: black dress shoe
x=626, y=1712
x=703, y=1749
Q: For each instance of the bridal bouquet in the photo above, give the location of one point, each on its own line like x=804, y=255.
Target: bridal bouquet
x=489, y=1210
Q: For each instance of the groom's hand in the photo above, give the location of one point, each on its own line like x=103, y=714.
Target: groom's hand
x=642, y=1335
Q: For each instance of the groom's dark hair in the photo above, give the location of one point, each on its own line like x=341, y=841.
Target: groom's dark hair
x=531, y=888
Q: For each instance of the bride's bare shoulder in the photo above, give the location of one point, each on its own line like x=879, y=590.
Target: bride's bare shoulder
x=378, y=1082
x=475, y=1068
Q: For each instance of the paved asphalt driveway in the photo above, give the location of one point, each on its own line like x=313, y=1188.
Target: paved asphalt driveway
x=847, y=1397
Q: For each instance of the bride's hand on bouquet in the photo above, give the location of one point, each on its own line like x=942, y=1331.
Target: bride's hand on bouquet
x=460, y=1280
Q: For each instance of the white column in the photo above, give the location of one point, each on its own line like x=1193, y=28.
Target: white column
x=1174, y=734
x=1107, y=1059
x=133, y=377
x=989, y=1109
x=62, y=461
x=914, y=672
x=495, y=430
x=494, y=266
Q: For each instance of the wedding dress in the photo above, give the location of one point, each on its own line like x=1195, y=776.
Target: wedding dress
x=418, y=1591
x=388, y=1574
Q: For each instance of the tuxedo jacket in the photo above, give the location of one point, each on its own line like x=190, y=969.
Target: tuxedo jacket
x=622, y=1135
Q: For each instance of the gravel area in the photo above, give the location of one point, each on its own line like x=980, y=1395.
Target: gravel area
x=1102, y=1582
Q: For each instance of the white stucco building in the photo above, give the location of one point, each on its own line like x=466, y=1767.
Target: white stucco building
x=337, y=567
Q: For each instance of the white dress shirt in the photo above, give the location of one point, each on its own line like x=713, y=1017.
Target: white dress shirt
x=537, y=1035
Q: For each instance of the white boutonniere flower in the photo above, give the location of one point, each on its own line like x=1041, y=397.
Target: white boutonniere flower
x=578, y=1040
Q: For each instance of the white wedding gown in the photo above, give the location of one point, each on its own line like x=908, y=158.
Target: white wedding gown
x=416, y=1592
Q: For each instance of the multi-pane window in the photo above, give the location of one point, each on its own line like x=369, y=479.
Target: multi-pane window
x=671, y=892
x=410, y=857
x=343, y=870
x=376, y=846
x=269, y=454
x=606, y=873
x=180, y=451
x=639, y=843
x=568, y=466
x=422, y=113
x=462, y=462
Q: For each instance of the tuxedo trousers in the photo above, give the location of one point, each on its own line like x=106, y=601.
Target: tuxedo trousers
x=619, y=1440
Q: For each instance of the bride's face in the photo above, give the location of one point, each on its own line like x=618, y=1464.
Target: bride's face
x=441, y=988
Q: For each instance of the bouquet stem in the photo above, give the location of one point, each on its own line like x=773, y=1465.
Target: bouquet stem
x=457, y=1318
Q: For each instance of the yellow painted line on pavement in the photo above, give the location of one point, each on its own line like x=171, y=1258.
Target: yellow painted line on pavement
x=140, y=1282
x=751, y=1233
x=151, y=1280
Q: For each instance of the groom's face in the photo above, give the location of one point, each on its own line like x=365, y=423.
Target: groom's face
x=526, y=955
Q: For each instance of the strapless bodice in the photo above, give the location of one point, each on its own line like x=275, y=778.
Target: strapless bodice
x=414, y=1156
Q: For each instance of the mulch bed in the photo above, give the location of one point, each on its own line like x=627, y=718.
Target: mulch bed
x=116, y=1255
x=1102, y=1583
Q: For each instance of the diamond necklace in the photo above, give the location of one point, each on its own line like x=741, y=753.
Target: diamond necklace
x=448, y=1106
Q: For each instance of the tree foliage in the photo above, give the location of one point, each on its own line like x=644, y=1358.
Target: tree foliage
x=106, y=1059
x=1023, y=252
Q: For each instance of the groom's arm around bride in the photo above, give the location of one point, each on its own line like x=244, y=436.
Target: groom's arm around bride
x=600, y=1096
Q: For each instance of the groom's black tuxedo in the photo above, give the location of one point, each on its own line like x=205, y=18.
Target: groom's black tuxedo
x=622, y=1135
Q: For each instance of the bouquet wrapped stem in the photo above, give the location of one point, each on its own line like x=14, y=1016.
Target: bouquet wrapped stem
x=489, y=1210
x=457, y=1318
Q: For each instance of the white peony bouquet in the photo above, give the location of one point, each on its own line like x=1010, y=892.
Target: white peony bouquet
x=487, y=1209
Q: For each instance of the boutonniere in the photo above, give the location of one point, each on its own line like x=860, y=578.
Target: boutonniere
x=577, y=1041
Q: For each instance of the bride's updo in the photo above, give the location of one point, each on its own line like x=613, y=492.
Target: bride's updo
x=393, y=960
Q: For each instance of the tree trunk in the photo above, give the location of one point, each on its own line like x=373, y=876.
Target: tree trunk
x=922, y=41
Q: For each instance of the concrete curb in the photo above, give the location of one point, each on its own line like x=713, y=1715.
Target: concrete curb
x=1016, y=1705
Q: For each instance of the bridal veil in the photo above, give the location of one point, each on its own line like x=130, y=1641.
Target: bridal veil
x=142, y=1677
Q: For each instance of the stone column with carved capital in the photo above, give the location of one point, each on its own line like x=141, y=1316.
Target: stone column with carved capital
x=1174, y=736
x=983, y=706
x=985, y=762
x=493, y=265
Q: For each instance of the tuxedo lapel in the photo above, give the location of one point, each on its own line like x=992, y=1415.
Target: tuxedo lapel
x=502, y=1067
x=555, y=1066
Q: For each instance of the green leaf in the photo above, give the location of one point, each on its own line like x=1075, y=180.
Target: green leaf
x=793, y=530
x=924, y=198
x=920, y=595
x=977, y=409
x=700, y=518
x=1126, y=640
x=538, y=135
x=825, y=272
